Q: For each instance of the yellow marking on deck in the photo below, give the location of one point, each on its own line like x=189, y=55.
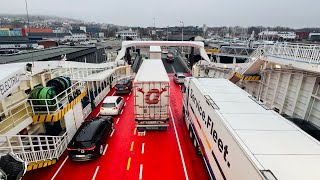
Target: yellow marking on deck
x=132, y=144
x=128, y=164
x=135, y=131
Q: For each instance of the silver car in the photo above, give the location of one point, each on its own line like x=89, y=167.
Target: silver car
x=178, y=78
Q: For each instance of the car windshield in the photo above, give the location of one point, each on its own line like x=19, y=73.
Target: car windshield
x=108, y=105
x=181, y=76
x=169, y=55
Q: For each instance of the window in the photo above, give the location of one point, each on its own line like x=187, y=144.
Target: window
x=108, y=105
x=119, y=100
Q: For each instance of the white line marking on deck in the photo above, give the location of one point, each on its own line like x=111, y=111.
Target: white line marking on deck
x=117, y=120
x=54, y=176
x=121, y=111
x=130, y=93
x=141, y=169
x=105, y=149
x=142, y=150
x=125, y=104
x=180, y=150
x=127, y=98
x=95, y=173
x=113, y=93
x=112, y=132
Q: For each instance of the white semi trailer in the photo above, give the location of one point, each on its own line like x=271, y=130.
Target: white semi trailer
x=151, y=96
x=241, y=139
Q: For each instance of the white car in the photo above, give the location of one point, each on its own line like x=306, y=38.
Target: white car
x=112, y=105
x=178, y=78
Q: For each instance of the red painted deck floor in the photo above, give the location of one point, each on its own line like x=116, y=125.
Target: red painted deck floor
x=130, y=155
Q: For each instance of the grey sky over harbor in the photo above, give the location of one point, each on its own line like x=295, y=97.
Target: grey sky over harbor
x=291, y=13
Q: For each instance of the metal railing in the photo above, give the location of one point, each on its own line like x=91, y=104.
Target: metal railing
x=306, y=53
x=59, y=101
x=77, y=73
x=14, y=115
x=33, y=148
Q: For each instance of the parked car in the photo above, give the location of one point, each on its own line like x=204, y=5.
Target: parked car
x=170, y=58
x=88, y=142
x=179, y=78
x=124, y=86
x=112, y=105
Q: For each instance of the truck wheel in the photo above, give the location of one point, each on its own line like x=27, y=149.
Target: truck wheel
x=4, y=161
x=13, y=170
x=101, y=149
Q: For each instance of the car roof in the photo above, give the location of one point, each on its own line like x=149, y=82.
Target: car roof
x=110, y=99
x=87, y=130
x=124, y=80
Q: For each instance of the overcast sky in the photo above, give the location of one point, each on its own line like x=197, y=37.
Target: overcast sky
x=291, y=13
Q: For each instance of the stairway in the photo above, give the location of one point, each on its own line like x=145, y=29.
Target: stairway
x=250, y=71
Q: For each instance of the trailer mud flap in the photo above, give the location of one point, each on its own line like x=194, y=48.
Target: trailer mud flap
x=194, y=140
x=144, y=128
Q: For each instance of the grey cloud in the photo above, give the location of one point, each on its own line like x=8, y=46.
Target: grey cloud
x=292, y=13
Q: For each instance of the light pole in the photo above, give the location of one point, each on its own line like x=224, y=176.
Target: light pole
x=167, y=32
x=182, y=33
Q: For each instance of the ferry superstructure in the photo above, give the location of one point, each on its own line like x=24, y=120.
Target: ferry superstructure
x=283, y=76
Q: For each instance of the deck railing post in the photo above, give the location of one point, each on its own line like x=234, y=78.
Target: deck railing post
x=32, y=149
x=40, y=146
x=47, y=107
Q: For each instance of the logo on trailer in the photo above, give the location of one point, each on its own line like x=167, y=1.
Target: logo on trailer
x=157, y=93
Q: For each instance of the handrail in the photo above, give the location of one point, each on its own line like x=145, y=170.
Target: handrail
x=79, y=73
x=296, y=52
x=14, y=117
x=33, y=148
x=255, y=55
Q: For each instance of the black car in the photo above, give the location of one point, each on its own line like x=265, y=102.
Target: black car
x=170, y=58
x=89, y=140
x=124, y=86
